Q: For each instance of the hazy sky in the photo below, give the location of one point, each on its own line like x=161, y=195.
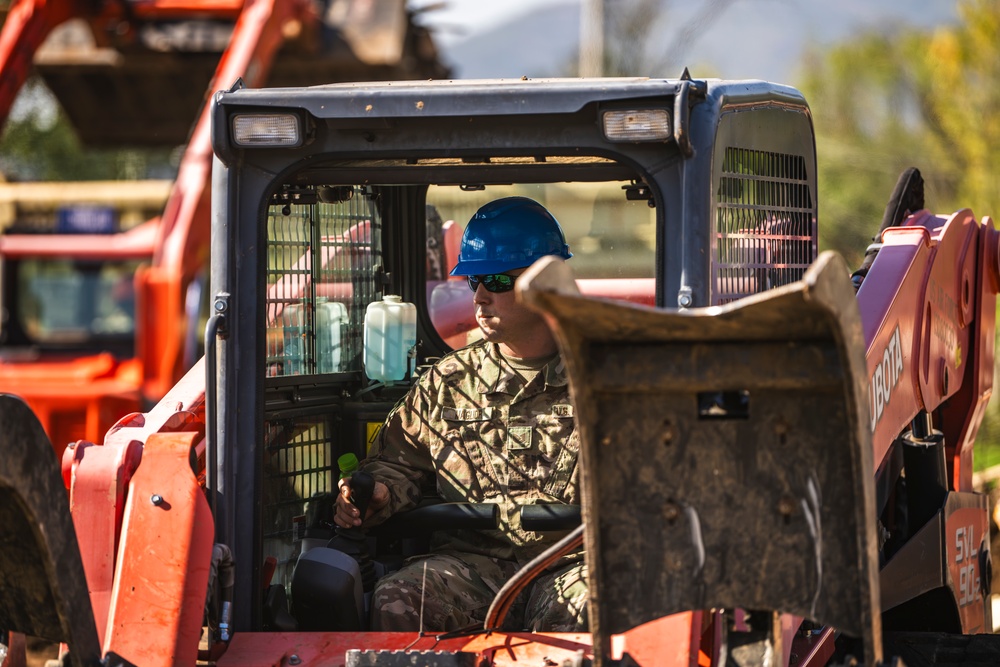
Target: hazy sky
x=460, y=18
x=748, y=39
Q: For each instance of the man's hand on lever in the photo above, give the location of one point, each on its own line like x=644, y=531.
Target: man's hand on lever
x=347, y=514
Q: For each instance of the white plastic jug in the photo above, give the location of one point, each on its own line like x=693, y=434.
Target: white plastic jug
x=390, y=338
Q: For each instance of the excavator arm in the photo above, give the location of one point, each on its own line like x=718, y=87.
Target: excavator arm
x=29, y=23
x=182, y=244
x=176, y=252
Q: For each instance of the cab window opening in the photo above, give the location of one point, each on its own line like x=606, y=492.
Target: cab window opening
x=63, y=303
x=335, y=247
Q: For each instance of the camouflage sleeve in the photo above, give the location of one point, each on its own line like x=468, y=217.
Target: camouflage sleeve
x=400, y=458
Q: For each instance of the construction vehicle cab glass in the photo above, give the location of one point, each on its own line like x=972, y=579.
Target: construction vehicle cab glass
x=70, y=305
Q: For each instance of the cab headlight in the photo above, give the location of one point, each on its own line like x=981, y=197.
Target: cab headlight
x=637, y=125
x=262, y=130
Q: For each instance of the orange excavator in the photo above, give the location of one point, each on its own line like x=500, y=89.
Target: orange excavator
x=775, y=457
x=100, y=321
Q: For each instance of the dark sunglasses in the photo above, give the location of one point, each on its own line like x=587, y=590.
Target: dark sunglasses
x=493, y=282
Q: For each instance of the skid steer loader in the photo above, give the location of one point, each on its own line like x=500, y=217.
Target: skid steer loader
x=776, y=458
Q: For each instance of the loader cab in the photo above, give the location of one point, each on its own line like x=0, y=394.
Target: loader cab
x=672, y=194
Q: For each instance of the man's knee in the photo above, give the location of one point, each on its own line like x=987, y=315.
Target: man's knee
x=439, y=594
x=558, y=602
x=396, y=604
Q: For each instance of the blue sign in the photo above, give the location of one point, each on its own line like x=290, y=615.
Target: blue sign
x=86, y=220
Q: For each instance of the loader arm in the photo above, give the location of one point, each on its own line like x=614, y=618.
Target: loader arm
x=99, y=479
x=66, y=576
x=928, y=307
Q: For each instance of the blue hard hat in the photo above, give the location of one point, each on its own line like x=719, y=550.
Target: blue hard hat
x=509, y=233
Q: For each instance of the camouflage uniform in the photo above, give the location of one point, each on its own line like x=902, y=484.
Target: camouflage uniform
x=471, y=430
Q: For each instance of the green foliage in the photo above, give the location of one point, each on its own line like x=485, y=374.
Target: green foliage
x=870, y=126
x=964, y=75
x=41, y=145
x=884, y=102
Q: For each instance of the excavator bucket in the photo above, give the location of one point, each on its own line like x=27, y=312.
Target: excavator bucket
x=726, y=454
x=43, y=590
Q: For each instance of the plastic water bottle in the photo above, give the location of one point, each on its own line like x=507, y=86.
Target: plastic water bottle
x=390, y=337
x=330, y=319
x=294, y=349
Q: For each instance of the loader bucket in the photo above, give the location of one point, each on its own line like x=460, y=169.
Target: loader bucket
x=43, y=591
x=725, y=453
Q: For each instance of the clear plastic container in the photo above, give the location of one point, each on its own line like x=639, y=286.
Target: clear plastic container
x=331, y=316
x=294, y=344
x=390, y=339
x=329, y=323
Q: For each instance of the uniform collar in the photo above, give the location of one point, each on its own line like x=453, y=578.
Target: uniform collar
x=493, y=376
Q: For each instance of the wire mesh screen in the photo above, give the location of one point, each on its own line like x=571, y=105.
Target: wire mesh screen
x=321, y=276
x=298, y=464
x=323, y=269
x=765, y=223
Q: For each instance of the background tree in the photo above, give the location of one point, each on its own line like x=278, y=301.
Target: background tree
x=643, y=38
x=39, y=143
x=962, y=72
x=883, y=102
